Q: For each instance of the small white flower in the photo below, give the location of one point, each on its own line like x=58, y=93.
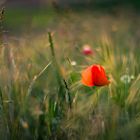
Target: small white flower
x=125, y=79
x=73, y=63
x=132, y=77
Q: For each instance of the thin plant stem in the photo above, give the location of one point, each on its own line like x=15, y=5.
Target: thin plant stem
x=35, y=79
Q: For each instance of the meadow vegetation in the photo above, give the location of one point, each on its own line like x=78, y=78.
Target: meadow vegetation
x=41, y=60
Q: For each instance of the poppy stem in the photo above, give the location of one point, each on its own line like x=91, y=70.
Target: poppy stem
x=97, y=97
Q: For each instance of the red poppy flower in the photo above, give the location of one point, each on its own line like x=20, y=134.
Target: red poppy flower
x=87, y=50
x=94, y=76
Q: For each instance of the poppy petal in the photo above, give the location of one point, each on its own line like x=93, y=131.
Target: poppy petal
x=87, y=78
x=99, y=76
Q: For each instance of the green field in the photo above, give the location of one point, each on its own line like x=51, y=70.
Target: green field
x=41, y=94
